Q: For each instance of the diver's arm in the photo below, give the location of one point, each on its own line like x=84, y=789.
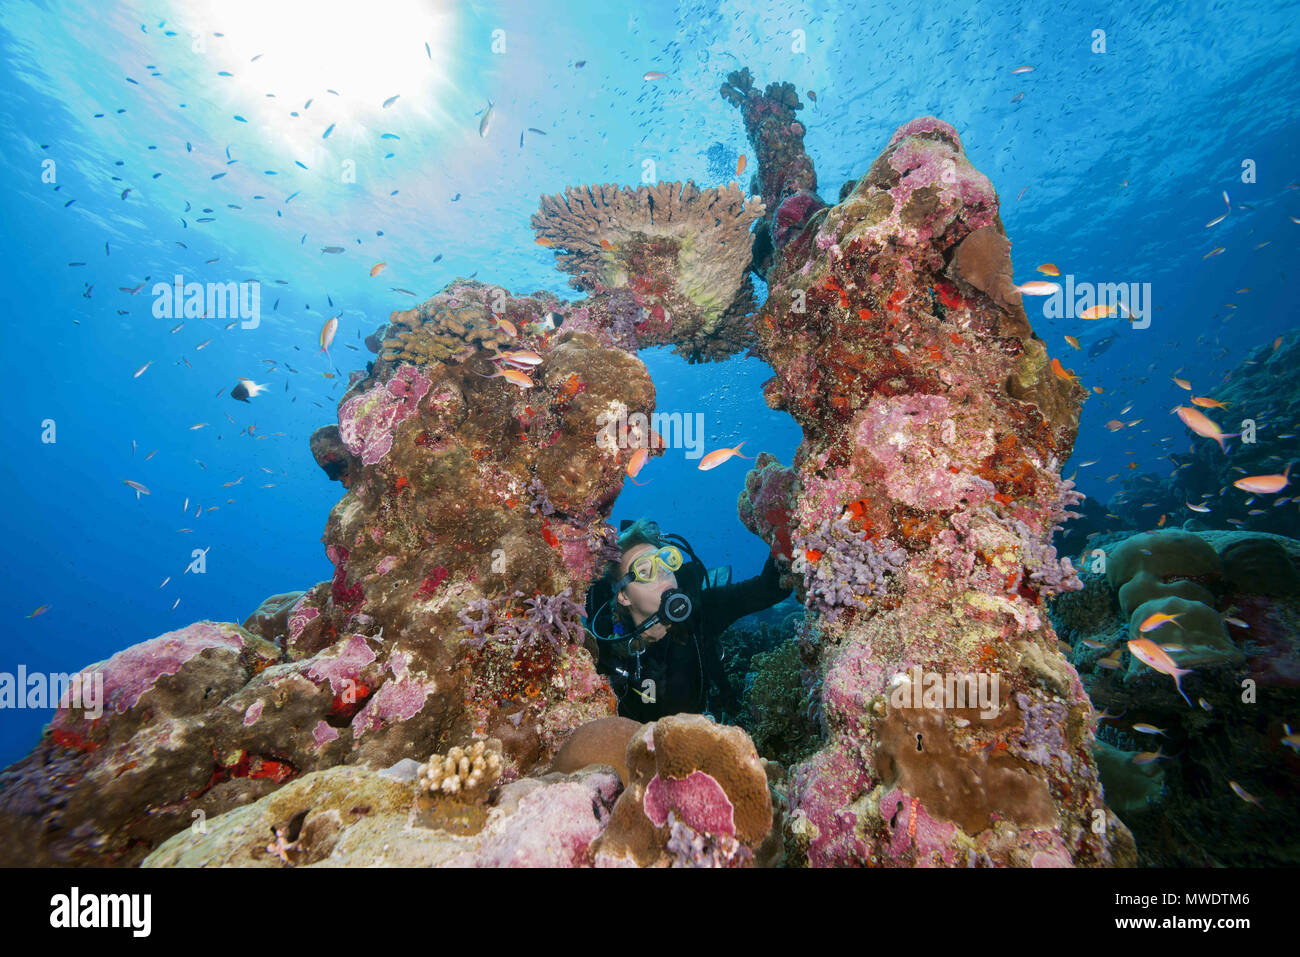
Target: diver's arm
x=728, y=603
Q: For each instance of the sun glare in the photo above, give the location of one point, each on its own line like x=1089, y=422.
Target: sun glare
x=346, y=57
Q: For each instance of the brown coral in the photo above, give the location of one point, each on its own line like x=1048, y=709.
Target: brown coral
x=678, y=749
x=441, y=329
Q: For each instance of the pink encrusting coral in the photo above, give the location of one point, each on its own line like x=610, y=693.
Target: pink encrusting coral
x=134, y=671
x=925, y=498
x=698, y=800
x=367, y=421
x=344, y=669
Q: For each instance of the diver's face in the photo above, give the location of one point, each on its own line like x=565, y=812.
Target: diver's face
x=642, y=598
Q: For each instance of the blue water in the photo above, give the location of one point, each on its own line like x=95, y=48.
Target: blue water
x=1109, y=166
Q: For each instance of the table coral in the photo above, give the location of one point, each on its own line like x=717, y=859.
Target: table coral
x=681, y=253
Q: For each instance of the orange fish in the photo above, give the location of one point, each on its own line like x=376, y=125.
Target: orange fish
x=327, y=335
x=813, y=555
x=1182, y=383
x=1114, y=425
x=376, y=269
x=1099, y=312
x=508, y=327
x=1264, y=484
x=1149, y=653
x=519, y=357
x=1277, y=342
x=606, y=245
x=636, y=464
x=718, y=456
x=1098, y=389
x=740, y=164
x=1155, y=621
x=1072, y=341
x=1208, y=403
x=510, y=375
x=1203, y=426
x=542, y=241
x=1049, y=269
x=1061, y=372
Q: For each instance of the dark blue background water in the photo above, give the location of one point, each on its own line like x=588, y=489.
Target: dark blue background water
x=1109, y=166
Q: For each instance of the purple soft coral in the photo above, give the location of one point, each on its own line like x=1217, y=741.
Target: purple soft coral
x=850, y=566
x=541, y=503
x=549, y=618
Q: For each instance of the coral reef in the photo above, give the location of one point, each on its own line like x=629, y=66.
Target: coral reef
x=361, y=817
x=928, y=482
x=841, y=568
x=368, y=421
x=667, y=264
x=1245, y=681
x=375, y=665
x=777, y=712
x=603, y=741
x=333, y=456
x=785, y=177
x=764, y=504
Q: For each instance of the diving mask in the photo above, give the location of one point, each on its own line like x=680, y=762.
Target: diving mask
x=646, y=567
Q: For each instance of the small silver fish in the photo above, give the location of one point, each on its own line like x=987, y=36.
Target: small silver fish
x=485, y=123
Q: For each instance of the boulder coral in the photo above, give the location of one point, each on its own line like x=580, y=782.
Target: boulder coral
x=708, y=779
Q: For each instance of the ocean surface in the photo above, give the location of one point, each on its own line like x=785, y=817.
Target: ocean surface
x=236, y=142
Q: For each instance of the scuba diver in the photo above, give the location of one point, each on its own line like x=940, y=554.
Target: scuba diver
x=657, y=618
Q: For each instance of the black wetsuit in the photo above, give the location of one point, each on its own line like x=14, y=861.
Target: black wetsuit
x=683, y=664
